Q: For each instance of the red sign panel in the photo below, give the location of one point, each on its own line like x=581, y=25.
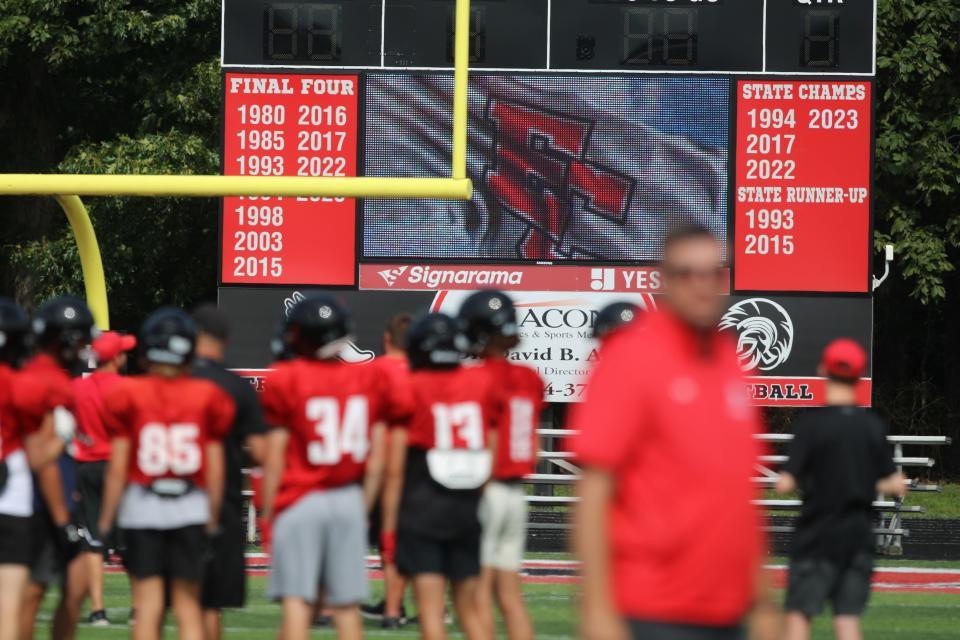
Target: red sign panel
x=799, y=392
x=290, y=125
x=802, y=186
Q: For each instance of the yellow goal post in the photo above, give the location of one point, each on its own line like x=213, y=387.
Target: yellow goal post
x=67, y=188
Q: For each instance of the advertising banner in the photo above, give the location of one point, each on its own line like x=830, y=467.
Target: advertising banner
x=779, y=339
x=434, y=277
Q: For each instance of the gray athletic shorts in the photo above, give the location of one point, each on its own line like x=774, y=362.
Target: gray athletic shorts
x=320, y=543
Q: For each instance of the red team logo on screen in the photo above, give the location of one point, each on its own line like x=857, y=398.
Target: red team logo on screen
x=539, y=167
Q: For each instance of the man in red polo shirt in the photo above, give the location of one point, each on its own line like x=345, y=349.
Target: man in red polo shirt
x=670, y=542
x=92, y=451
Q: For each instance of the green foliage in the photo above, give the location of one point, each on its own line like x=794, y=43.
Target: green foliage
x=115, y=86
x=918, y=140
x=155, y=251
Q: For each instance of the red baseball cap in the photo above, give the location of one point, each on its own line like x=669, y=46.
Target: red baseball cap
x=844, y=359
x=111, y=344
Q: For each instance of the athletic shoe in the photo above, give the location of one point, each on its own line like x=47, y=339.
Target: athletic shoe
x=373, y=611
x=98, y=619
x=323, y=622
x=391, y=624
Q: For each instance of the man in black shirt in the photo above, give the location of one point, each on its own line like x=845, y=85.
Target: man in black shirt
x=840, y=461
x=224, y=584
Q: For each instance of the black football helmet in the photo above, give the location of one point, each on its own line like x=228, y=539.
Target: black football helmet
x=168, y=336
x=612, y=317
x=14, y=333
x=64, y=328
x=279, y=349
x=485, y=315
x=317, y=327
x=435, y=341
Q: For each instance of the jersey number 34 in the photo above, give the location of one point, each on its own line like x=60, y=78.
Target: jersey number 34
x=339, y=435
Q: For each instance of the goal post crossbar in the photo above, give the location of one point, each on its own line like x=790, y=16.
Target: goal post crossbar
x=222, y=186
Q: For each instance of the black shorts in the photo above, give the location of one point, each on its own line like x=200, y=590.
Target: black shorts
x=16, y=541
x=167, y=553
x=455, y=558
x=644, y=630
x=47, y=564
x=90, y=486
x=224, y=583
x=846, y=585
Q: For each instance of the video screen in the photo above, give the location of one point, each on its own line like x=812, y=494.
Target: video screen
x=564, y=168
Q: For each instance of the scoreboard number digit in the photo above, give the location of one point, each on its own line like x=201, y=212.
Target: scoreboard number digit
x=323, y=32
x=659, y=36
x=302, y=32
x=820, y=39
x=281, y=31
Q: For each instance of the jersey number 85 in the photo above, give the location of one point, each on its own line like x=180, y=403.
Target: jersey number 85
x=164, y=449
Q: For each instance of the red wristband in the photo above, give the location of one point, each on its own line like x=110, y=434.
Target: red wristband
x=388, y=547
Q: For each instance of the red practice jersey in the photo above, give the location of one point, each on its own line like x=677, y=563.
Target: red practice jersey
x=454, y=408
x=329, y=409
x=169, y=422
x=92, y=442
x=517, y=442
x=11, y=434
x=397, y=372
x=40, y=387
x=668, y=415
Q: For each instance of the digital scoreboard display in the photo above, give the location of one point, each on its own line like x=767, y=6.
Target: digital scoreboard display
x=594, y=125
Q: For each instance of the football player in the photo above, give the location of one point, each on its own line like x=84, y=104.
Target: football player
x=489, y=321
x=164, y=482
x=394, y=363
x=62, y=329
x=438, y=466
x=612, y=318
x=323, y=468
x=92, y=452
x=23, y=445
x=224, y=585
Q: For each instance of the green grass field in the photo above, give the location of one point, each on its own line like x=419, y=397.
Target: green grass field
x=893, y=616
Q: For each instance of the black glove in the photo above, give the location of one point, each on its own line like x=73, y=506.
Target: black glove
x=4, y=474
x=212, y=539
x=67, y=540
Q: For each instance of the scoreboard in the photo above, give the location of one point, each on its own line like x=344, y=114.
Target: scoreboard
x=593, y=125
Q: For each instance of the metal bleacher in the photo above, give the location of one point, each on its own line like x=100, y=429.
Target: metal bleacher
x=561, y=471
x=551, y=487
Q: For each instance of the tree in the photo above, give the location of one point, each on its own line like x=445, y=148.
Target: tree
x=917, y=191
x=918, y=140
x=111, y=86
